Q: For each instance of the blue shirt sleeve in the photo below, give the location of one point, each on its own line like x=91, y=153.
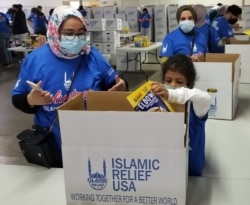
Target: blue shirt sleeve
x=167, y=48
x=196, y=159
x=31, y=16
x=103, y=72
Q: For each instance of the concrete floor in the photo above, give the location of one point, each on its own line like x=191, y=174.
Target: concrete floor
x=12, y=120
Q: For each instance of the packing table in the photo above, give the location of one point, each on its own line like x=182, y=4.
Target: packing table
x=139, y=51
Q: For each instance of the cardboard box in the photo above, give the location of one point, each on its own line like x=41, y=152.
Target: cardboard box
x=105, y=36
x=110, y=47
x=98, y=46
x=244, y=51
x=98, y=12
x=111, y=36
x=171, y=16
x=116, y=155
x=114, y=24
x=241, y=36
x=96, y=24
x=97, y=36
x=219, y=76
x=123, y=17
x=109, y=11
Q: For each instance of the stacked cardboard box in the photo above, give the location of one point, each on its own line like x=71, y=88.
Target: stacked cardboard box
x=105, y=35
x=160, y=22
x=172, y=21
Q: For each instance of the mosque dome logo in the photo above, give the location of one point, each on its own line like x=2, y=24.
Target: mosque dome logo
x=97, y=181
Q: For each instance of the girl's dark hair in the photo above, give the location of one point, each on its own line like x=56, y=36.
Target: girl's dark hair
x=182, y=64
x=145, y=9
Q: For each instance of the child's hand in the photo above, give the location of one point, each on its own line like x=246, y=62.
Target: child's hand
x=196, y=57
x=159, y=89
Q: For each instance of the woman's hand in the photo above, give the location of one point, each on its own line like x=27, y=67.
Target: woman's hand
x=120, y=85
x=159, y=89
x=39, y=97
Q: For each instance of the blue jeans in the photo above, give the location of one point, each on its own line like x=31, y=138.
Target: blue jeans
x=145, y=31
x=4, y=45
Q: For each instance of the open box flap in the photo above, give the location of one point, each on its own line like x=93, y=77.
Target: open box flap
x=108, y=101
x=75, y=103
x=221, y=57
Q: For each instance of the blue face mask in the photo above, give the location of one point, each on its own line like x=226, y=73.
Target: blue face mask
x=73, y=46
x=186, y=26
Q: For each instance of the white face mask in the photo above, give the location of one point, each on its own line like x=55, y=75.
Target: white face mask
x=170, y=87
x=186, y=26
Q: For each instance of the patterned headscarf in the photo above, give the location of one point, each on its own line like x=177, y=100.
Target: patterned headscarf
x=201, y=12
x=60, y=14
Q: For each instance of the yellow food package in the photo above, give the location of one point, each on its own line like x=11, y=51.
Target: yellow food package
x=143, y=99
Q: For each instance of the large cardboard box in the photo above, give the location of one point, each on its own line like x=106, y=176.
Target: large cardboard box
x=112, y=154
x=219, y=75
x=243, y=50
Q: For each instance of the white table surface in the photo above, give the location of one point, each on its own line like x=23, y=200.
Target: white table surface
x=21, y=49
x=33, y=185
x=132, y=48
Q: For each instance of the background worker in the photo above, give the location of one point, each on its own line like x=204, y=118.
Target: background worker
x=145, y=20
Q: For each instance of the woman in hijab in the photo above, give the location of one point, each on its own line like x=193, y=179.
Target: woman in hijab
x=66, y=59
x=184, y=39
x=211, y=35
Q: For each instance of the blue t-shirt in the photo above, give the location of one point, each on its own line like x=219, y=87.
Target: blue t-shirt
x=223, y=29
x=145, y=24
x=211, y=35
x=196, y=143
x=177, y=42
x=4, y=25
x=56, y=74
x=83, y=12
x=38, y=21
